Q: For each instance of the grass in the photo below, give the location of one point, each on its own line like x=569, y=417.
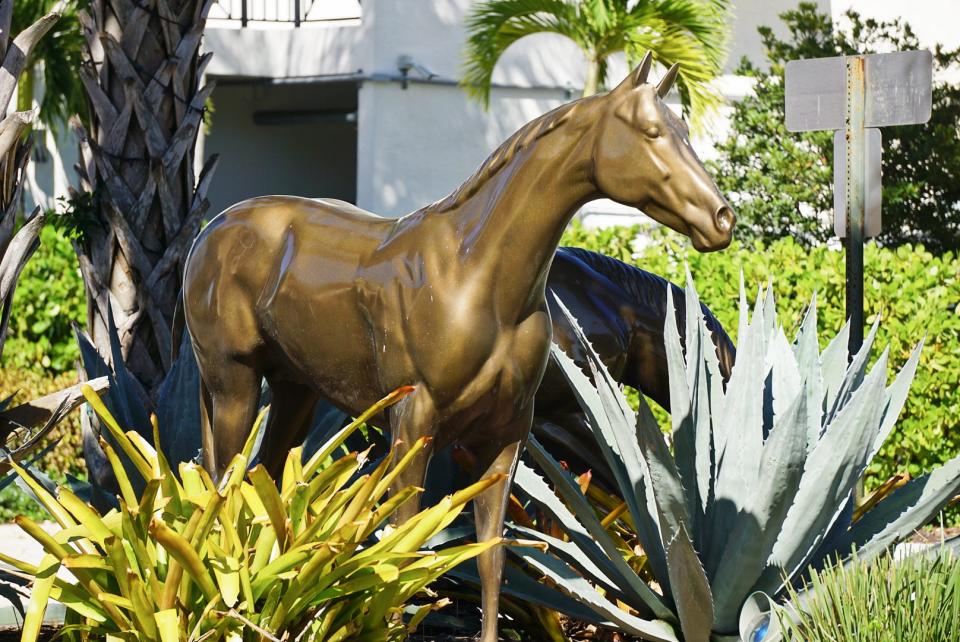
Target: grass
x=915, y=599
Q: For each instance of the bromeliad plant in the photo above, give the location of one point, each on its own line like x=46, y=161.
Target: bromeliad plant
x=755, y=492
x=191, y=559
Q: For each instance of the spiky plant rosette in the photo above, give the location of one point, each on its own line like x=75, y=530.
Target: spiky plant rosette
x=243, y=559
x=755, y=491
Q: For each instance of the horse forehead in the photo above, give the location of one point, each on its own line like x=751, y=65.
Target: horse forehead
x=641, y=107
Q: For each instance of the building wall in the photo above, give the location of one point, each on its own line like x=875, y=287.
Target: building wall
x=415, y=145
x=298, y=139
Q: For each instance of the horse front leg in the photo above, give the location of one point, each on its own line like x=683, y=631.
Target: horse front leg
x=498, y=457
x=411, y=419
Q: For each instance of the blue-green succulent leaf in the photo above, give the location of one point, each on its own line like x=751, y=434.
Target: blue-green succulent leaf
x=630, y=583
x=570, y=553
x=681, y=412
x=906, y=509
x=752, y=540
x=527, y=480
x=568, y=581
x=833, y=365
x=829, y=476
x=691, y=591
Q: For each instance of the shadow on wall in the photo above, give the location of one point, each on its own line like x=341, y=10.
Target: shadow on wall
x=298, y=139
x=425, y=141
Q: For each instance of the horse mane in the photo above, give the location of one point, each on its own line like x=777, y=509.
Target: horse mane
x=638, y=283
x=507, y=151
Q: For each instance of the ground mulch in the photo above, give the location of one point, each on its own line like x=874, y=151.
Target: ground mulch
x=13, y=635
x=934, y=535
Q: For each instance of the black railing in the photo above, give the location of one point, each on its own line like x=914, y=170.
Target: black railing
x=295, y=11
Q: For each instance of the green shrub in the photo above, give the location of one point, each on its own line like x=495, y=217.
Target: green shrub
x=917, y=292
x=242, y=559
x=67, y=455
x=916, y=599
x=14, y=501
x=48, y=299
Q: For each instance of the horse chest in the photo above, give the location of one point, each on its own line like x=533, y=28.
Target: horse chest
x=506, y=381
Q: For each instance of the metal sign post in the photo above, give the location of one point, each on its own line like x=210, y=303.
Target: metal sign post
x=855, y=194
x=854, y=94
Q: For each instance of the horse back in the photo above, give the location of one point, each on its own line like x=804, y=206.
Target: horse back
x=265, y=277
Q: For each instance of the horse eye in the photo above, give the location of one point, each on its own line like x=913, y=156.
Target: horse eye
x=653, y=131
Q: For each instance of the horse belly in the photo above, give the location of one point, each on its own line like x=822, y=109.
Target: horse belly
x=321, y=340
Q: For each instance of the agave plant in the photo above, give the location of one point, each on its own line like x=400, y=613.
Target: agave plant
x=755, y=492
x=190, y=559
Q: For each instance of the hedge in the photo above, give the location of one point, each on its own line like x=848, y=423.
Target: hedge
x=67, y=455
x=48, y=300
x=916, y=293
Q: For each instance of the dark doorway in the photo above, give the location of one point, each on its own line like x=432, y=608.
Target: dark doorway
x=297, y=138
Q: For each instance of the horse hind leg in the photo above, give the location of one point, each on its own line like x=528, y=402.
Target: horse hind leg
x=499, y=457
x=411, y=419
x=229, y=399
x=291, y=412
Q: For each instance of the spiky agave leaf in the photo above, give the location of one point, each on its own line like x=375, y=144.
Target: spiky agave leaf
x=757, y=489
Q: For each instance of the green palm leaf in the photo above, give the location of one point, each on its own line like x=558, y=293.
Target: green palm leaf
x=690, y=32
x=60, y=52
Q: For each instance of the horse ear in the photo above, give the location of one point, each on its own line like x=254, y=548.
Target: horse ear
x=667, y=81
x=638, y=76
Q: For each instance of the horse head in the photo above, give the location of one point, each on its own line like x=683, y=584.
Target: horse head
x=642, y=158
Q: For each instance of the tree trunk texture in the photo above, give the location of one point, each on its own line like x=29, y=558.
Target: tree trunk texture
x=142, y=81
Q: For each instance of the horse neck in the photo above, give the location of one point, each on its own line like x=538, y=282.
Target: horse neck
x=512, y=225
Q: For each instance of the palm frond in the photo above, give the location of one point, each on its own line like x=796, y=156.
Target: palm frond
x=60, y=52
x=693, y=33
x=493, y=26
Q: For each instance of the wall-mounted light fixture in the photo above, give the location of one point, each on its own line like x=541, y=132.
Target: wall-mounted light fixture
x=406, y=64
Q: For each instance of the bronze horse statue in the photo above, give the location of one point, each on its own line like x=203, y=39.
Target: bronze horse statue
x=326, y=300
x=621, y=310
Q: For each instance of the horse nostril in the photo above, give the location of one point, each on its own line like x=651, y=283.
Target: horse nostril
x=725, y=218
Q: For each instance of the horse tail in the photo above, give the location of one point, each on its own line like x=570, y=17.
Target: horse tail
x=177, y=327
x=726, y=351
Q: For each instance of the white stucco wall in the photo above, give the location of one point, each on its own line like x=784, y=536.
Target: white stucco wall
x=315, y=49
x=417, y=144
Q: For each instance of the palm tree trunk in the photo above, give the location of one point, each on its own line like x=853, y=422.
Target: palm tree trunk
x=142, y=81
x=592, y=83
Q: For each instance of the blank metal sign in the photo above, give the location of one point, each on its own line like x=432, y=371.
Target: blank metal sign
x=899, y=90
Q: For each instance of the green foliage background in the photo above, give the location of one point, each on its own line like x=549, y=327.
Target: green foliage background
x=40, y=354
x=48, y=300
x=781, y=183
x=918, y=294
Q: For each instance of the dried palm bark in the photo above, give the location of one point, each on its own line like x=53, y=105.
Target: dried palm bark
x=18, y=437
x=142, y=80
x=15, y=248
